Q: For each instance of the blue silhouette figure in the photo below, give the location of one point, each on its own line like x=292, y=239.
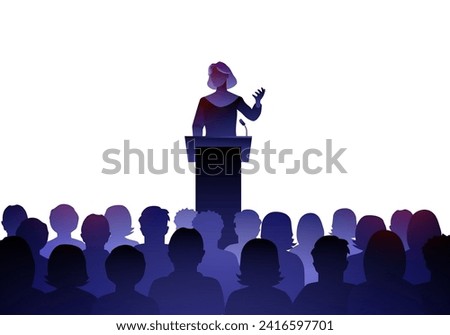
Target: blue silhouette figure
x=184, y=218
x=385, y=291
x=95, y=233
x=216, y=263
x=309, y=230
x=247, y=227
x=63, y=220
x=423, y=226
x=17, y=295
x=329, y=295
x=366, y=227
x=260, y=272
x=12, y=217
x=35, y=232
x=217, y=112
x=67, y=272
x=154, y=226
x=276, y=227
x=344, y=226
x=399, y=224
x=119, y=219
x=185, y=290
x=436, y=293
x=125, y=267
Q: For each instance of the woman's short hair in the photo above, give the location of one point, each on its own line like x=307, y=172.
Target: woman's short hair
x=223, y=68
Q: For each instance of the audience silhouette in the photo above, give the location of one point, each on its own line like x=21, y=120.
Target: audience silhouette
x=436, y=293
x=63, y=220
x=217, y=263
x=67, y=272
x=385, y=291
x=35, y=233
x=344, y=226
x=423, y=226
x=330, y=294
x=276, y=227
x=309, y=230
x=119, y=219
x=125, y=267
x=399, y=224
x=95, y=233
x=185, y=290
x=366, y=227
x=184, y=218
x=12, y=217
x=17, y=295
x=154, y=226
x=260, y=272
x=247, y=227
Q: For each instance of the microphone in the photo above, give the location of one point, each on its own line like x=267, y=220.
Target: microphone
x=243, y=123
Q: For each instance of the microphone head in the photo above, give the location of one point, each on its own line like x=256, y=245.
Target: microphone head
x=242, y=122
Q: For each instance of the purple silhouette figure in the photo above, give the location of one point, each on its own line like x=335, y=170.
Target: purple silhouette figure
x=95, y=233
x=35, y=232
x=385, y=291
x=423, y=226
x=260, y=272
x=119, y=219
x=63, y=220
x=217, y=112
x=12, y=217
x=217, y=263
x=185, y=290
x=399, y=225
x=276, y=227
x=344, y=226
x=366, y=227
x=309, y=230
x=248, y=226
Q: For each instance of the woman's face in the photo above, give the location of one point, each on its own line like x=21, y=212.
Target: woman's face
x=218, y=78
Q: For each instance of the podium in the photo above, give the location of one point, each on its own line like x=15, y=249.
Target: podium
x=218, y=177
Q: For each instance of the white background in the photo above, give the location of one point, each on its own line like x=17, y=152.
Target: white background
x=79, y=77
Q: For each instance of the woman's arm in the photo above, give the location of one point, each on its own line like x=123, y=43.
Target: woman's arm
x=254, y=112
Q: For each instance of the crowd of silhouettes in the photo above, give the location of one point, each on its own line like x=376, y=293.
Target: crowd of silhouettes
x=361, y=267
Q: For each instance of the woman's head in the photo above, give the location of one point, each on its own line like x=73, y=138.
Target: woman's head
x=219, y=74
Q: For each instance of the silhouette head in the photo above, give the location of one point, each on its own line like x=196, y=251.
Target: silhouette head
x=125, y=266
x=209, y=224
x=309, y=229
x=186, y=249
x=95, y=231
x=219, y=74
x=12, y=217
x=184, y=218
x=63, y=219
x=344, y=223
x=247, y=224
x=330, y=254
x=436, y=252
x=399, y=223
x=67, y=267
x=259, y=265
x=17, y=267
x=154, y=221
x=34, y=232
x=119, y=219
x=276, y=226
x=385, y=257
x=366, y=227
x=423, y=226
